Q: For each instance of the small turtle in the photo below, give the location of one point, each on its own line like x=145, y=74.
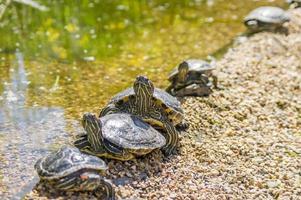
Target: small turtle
x=70, y=170
x=153, y=105
x=192, y=71
x=266, y=18
x=118, y=136
x=296, y=3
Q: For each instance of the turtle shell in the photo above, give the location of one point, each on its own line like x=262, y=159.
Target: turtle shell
x=268, y=14
x=194, y=65
x=194, y=90
x=66, y=161
x=130, y=132
x=169, y=103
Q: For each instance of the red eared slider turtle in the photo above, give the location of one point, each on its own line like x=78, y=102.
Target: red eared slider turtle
x=70, y=170
x=296, y=3
x=118, y=136
x=189, y=72
x=153, y=105
x=266, y=18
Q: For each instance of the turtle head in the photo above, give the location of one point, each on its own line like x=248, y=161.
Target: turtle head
x=183, y=67
x=183, y=71
x=143, y=86
x=91, y=123
x=252, y=24
x=92, y=126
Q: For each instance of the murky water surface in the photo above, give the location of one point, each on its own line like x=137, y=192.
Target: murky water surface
x=55, y=65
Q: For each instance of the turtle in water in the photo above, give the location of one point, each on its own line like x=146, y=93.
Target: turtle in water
x=295, y=3
x=153, y=105
x=70, y=170
x=266, y=18
x=192, y=71
x=118, y=136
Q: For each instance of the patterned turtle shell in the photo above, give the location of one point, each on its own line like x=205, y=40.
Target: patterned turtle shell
x=164, y=100
x=130, y=132
x=66, y=161
x=194, y=66
x=268, y=14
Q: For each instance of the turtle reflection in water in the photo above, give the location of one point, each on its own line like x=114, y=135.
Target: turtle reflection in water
x=266, y=18
x=192, y=77
x=118, y=136
x=70, y=170
x=154, y=106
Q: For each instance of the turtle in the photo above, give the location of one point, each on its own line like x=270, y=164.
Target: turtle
x=153, y=105
x=296, y=3
x=70, y=170
x=119, y=136
x=267, y=18
x=189, y=72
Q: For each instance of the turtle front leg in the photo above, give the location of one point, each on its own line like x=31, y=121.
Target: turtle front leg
x=172, y=139
x=214, y=81
x=173, y=87
x=183, y=126
x=81, y=142
x=169, y=88
x=171, y=134
x=67, y=183
x=108, y=189
x=116, y=152
x=109, y=109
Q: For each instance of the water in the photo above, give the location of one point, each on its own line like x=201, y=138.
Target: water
x=55, y=65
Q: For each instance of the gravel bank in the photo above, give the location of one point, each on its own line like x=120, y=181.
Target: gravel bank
x=244, y=141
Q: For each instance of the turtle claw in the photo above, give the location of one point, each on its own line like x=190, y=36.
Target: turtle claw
x=167, y=152
x=182, y=126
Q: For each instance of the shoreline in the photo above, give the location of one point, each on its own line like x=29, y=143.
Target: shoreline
x=243, y=141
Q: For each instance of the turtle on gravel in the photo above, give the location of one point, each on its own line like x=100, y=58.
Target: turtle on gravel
x=118, y=136
x=266, y=18
x=295, y=3
x=70, y=170
x=153, y=105
x=192, y=71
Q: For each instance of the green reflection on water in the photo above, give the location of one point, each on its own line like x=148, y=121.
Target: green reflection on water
x=119, y=38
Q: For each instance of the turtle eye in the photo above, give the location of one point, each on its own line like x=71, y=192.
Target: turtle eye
x=164, y=106
x=120, y=102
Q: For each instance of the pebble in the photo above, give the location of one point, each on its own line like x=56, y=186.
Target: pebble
x=273, y=184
